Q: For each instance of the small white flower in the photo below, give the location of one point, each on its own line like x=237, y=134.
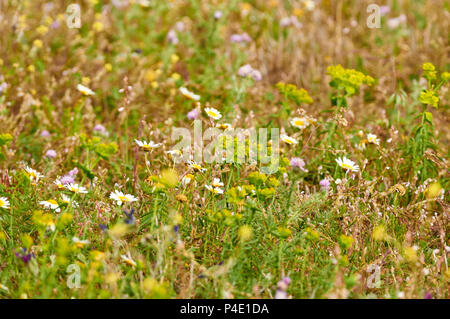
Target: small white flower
x=214, y=190
x=309, y=4
x=147, y=146
x=51, y=204
x=196, y=167
x=347, y=164
x=121, y=198
x=4, y=203
x=288, y=140
x=300, y=122
x=213, y=113
x=67, y=200
x=223, y=126
x=128, y=260
x=217, y=183
x=33, y=174
x=85, y=90
x=372, y=138
x=174, y=153
x=189, y=94
x=75, y=188
x=58, y=183
x=187, y=179
x=80, y=243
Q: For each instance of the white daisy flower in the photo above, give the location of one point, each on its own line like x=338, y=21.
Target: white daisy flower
x=4, y=203
x=128, y=260
x=300, y=122
x=85, y=90
x=196, y=167
x=147, y=146
x=33, y=174
x=288, y=140
x=223, y=126
x=309, y=4
x=215, y=190
x=121, y=198
x=213, y=113
x=51, y=204
x=80, y=243
x=187, y=179
x=67, y=200
x=372, y=138
x=174, y=153
x=217, y=183
x=347, y=164
x=189, y=94
x=362, y=145
x=76, y=188
x=58, y=183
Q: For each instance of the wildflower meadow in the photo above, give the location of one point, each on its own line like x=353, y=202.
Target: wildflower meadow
x=241, y=149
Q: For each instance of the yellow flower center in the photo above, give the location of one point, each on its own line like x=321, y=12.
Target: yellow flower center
x=129, y=262
x=212, y=113
x=53, y=202
x=299, y=123
x=346, y=166
x=2, y=203
x=123, y=199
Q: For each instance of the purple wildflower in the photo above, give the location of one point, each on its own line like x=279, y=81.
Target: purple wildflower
x=282, y=287
x=384, y=10
x=3, y=87
x=73, y=172
x=324, y=184
x=297, y=162
x=256, y=75
x=130, y=218
x=246, y=70
x=195, y=113
x=45, y=133
x=99, y=128
x=217, y=14
x=240, y=38
x=235, y=38
x=55, y=25
x=172, y=37
x=50, y=154
x=24, y=256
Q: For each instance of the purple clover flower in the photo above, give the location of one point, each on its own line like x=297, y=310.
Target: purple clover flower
x=99, y=128
x=50, y=154
x=324, y=184
x=192, y=115
x=297, y=162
